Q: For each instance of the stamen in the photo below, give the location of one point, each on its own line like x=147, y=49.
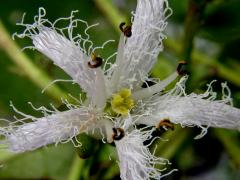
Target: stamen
x=180, y=69
x=97, y=61
x=118, y=134
x=165, y=123
x=127, y=30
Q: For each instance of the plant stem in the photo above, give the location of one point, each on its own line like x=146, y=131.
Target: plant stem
x=114, y=16
x=193, y=21
x=76, y=168
x=37, y=76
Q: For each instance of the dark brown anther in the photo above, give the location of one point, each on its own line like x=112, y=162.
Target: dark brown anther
x=96, y=61
x=121, y=26
x=180, y=69
x=118, y=134
x=127, y=30
x=166, y=123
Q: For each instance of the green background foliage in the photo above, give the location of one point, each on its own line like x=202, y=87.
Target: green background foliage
x=204, y=33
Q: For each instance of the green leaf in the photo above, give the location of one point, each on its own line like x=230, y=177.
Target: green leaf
x=49, y=162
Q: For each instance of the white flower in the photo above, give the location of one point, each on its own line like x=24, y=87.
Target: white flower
x=116, y=102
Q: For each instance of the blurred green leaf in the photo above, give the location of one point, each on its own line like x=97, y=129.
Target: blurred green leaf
x=50, y=162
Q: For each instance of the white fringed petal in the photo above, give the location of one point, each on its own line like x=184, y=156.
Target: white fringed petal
x=64, y=54
x=192, y=110
x=69, y=57
x=135, y=160
x=202, y=110
x=142, y=48
x=71, y=54
x=55, y=128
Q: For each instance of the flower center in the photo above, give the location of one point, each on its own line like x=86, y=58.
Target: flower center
x=122, y=102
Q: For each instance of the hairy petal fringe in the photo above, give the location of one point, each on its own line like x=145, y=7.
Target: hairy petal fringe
x=68, y=52
x=135, y=160
x=202, y=110
x=59, y=127
x=142, y=48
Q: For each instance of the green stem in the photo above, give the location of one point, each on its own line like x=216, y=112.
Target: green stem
x=114, y=16
x=193, y=21
x=76, y=168
x=37, y=76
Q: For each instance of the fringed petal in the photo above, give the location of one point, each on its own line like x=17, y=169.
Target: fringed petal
x=193, y=110
x=72, y=54
x=135, y=160
x=142, y=48
x=59, y=127
x=202, y=110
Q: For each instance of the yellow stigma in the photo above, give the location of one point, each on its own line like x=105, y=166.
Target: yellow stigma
x=122, y=102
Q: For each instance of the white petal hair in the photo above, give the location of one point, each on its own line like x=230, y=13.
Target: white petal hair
x=202, y=110
x=55, y=127
x=70, y=53
x=140, y=52
x=135, y=159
